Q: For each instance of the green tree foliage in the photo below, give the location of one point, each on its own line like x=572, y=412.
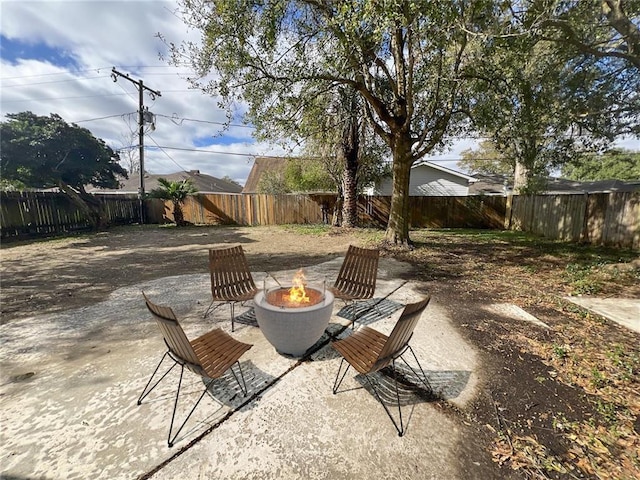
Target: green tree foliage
x=531, y=98
x=45, y=152
x=273, y=182
x=306, y=175
x=405, y=60
x=177, y=192
x=608, y=31
x=298, y=175
x=601, y=28
x=556, y=80
x=487, y=160
x=618, y=164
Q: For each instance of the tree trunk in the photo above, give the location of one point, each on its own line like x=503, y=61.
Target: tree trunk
x=399, y=217
x=337, y=210
x=178, y=216
x=350, y=207
x=89, y=205
x=520, y=177
x=350, y=150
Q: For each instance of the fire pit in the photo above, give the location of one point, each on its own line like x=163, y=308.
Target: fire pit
x=293, y=319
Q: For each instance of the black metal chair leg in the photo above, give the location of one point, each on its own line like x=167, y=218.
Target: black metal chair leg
x=171, y=440
x=244, y=390
x=399, y=429
x=336, y=383
x=395, y=378
x=146, y=392
x=423, y=378
x=232, y=306
x=211, y=308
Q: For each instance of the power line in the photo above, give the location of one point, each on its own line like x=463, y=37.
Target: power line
x=168, y=156
x=97, y=70
x=54, y=81
x=217, y=152
x=188, y=90
x=65, y=98
x=182, y=119
x=102, y=118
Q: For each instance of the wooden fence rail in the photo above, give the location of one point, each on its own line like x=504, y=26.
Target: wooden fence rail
x=608, y=218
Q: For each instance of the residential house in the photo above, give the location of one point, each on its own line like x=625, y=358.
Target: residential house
x=500, y=185
x=203, y=183
x=260, y=166
x=430, y=179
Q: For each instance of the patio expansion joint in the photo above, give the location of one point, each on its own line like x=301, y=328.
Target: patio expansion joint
x=255, y=395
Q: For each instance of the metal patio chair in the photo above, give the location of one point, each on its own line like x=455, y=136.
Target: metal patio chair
x=231, y=280
x=357, y=276
x=209, y=356
x=369, y=351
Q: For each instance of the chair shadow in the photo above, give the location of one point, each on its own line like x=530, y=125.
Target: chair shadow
x=366, y=312
x=247, y=317
x=445, y=385
x=225, y=392
x=411, y=390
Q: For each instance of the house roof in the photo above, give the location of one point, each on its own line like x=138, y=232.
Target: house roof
x=261, y=165
x=427, y=163
x=490, y=185
x=203, y=183
x=562, y=185
x=498, y=184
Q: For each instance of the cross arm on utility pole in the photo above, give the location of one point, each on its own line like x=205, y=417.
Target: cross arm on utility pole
x=141, y=86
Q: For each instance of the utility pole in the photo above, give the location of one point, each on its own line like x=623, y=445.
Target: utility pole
x=153, y=94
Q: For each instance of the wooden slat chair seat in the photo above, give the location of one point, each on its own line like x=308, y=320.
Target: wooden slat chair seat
x=369, y=351
x=210, y=356
x=231, y=279
x=357, y=277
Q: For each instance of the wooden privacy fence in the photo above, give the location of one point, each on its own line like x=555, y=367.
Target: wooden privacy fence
x=605, y=218
x=241, y=209
x=249, y=209
x=37, y=214
x=598, y=218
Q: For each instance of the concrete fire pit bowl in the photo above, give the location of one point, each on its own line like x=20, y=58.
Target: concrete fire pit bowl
x=293, y=330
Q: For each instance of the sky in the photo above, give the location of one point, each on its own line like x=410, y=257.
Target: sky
x=57, y=56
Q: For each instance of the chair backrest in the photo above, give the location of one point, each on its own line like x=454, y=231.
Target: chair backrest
x=358, y=273
x=173, y=335
x=230, y=274
x=401, y=333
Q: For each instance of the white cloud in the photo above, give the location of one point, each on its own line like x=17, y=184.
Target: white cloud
x=71, y=77
x=87, y=38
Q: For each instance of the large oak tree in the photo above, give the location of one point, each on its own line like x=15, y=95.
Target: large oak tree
x=45, y=152
x=404, y=59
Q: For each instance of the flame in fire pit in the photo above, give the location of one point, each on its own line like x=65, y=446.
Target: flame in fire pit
x=297, y=294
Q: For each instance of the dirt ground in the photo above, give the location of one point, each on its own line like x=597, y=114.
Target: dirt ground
x=562, y=402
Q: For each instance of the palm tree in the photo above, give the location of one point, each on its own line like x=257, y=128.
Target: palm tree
x=177, y=192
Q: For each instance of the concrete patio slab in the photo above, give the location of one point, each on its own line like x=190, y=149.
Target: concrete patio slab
x=624, y=311
x=513, y=312
x=70, y=381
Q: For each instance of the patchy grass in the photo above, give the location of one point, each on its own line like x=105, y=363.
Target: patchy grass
x=307, y=229
x=598, y=360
